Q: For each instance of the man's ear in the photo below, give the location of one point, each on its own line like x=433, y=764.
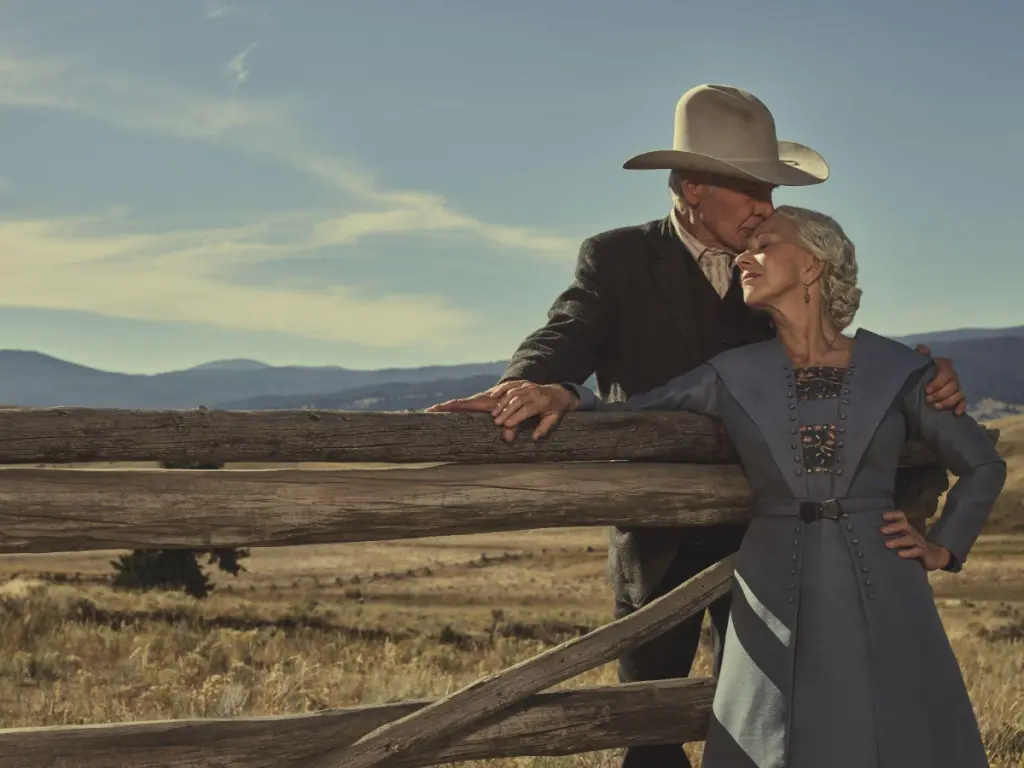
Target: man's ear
x=693, y=190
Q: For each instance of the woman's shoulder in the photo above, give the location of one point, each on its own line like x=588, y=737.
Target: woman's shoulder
x=873, y=356
x=755, y=353
x=890, y=367
x=882, y=351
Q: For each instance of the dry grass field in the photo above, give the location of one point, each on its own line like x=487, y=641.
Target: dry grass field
x=327, y=626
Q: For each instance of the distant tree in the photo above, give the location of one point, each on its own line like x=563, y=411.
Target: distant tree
x=176, y=570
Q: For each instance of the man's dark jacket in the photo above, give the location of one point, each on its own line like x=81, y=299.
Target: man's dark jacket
x=638, y=313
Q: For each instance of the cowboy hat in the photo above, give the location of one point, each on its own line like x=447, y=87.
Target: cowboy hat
x=730, y=132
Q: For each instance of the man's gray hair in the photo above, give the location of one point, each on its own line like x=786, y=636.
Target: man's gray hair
x=827, y=241
x=675, y=186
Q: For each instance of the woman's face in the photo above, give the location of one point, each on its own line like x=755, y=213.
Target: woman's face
x=776, y=266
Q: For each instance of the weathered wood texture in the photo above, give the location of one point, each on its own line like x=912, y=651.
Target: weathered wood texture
x=457, y=713
x=76, y=435
x=556, y=723
x=60, y=510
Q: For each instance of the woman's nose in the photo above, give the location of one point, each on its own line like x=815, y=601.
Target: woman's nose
x=742, y=258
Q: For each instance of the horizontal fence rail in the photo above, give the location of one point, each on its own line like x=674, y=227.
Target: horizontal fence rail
x=77, y=435
x=50, y=510
x=56, y=510
x=546, y=724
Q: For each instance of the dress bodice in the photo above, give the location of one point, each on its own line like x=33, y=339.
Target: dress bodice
x=817, y=391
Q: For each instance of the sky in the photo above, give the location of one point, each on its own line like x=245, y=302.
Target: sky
x=407, y=182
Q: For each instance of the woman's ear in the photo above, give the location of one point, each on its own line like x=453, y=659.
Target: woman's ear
x=814, y=272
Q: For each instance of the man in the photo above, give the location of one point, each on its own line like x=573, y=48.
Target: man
x=653, y=301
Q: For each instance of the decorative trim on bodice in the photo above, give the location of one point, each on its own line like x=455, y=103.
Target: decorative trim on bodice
x=818, y=447
x=819, y=443
x=819, y=382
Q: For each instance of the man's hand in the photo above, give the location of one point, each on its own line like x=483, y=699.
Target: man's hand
x=482, y=401
x=525, y=400
x=944, y=391
x=512, y=402
x=912, y=543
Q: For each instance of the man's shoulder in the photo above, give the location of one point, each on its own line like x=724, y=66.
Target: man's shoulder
x=624, y=237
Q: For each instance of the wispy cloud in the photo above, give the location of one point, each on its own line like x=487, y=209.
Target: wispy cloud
x=79, y=263
x=221, y=9
x=237, y=70
x=264, y=128
x=113, y=263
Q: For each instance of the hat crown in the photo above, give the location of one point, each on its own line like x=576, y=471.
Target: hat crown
x=725, y=122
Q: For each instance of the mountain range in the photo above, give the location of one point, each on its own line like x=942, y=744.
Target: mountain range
x=990, y=363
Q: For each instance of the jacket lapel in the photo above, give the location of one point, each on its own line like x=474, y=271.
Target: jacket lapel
x=670, y=276
x=879, y=368
x=758, y=378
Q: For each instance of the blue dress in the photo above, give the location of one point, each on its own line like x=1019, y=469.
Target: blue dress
x=835, y=655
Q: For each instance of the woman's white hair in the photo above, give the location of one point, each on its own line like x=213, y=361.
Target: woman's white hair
x=827, y=241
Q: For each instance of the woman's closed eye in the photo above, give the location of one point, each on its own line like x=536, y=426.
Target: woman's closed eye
x=757, y=243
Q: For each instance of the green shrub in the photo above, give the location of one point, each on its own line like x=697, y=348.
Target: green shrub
x=175, y=570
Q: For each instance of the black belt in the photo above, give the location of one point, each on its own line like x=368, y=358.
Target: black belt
x=830, y=509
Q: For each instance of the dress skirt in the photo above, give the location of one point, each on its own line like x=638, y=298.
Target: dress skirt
x=833, y=721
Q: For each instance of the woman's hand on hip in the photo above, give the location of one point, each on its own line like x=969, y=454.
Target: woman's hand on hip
x=911, y=542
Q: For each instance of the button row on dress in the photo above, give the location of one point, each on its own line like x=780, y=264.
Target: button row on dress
x=842, y=416
x=859, y=554
x=796, y=561
x=840, y=444
x=797, y=457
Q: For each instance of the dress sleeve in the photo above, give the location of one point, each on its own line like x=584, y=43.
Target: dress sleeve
x=964, y=448
x=696, y=391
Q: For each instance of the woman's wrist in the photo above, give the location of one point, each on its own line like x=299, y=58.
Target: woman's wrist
x=943, y=555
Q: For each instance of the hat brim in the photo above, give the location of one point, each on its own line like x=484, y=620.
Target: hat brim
x=797, y=166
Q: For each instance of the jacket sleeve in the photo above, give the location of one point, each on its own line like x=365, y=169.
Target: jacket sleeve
x=964, y=448
x=568, y=346
x=696, y=391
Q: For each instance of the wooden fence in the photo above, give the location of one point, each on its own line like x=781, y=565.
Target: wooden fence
x=629, y=469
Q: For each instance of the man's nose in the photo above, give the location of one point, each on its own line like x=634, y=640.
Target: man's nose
x=764, y=208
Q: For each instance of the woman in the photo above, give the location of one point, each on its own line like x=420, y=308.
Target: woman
x=835, y=655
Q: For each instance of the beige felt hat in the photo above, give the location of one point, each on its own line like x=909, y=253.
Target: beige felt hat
x=728, y=131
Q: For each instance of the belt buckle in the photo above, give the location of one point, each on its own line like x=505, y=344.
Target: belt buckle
x=816, y=510
x=831, y=509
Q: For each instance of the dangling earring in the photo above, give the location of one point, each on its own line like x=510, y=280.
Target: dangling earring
x=807, y=294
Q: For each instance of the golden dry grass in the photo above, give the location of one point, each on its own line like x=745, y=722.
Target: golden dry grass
x=1008, y=516
x=307, y=629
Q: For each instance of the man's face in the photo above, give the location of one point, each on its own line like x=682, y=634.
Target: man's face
x=731, y=210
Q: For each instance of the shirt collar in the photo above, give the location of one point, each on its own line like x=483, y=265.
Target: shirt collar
x=693, y=245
